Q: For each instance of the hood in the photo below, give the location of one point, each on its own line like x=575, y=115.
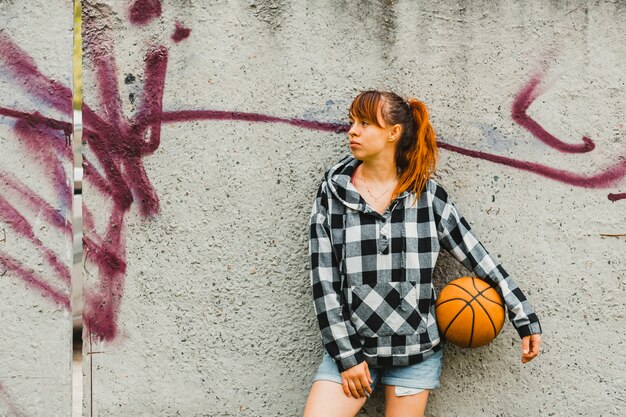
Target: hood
x=338, y=178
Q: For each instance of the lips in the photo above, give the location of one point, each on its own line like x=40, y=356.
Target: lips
x=354, y=143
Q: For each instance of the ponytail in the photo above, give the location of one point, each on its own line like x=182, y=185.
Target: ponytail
x=416, y=154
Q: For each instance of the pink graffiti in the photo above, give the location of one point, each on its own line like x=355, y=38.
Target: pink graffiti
x=602, y=179
x=118, y=144
x=180, y=33
x=522, y=102
x=22, y=227
x=617, y=196
x=144, y=11
x=46, y=141
x=605, y=178
x=10, y=405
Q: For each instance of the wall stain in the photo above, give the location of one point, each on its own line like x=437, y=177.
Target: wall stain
x=271, y=12
x=377, y=17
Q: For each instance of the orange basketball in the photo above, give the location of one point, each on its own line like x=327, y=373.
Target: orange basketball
x=470, y=312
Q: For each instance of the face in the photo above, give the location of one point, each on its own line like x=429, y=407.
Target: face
x=368, y=141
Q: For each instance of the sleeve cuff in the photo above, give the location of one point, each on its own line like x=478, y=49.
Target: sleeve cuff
x=350, y=361
x=528, y=329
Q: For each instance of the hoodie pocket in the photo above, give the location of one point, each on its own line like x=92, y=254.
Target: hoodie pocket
x=386, y=309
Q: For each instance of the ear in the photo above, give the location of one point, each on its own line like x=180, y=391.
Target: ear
x=395, y=132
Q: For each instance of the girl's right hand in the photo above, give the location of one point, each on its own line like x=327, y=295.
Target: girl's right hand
x=356, y=381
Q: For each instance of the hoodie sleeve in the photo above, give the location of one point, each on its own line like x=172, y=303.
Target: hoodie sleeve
x=456, y=236
x=338, y=334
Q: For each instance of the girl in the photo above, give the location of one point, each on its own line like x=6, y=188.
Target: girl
x=377, y=225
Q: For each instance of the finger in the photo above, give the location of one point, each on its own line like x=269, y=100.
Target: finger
x=534, y=351
x=535, y=344
x=366, y=385
x=346, y=388
x=525, y=344
x=353, y=390
x=527, y=358
x=359, y=388
x=367, y=371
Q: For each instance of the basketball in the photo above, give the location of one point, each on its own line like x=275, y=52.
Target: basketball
x=469, y=312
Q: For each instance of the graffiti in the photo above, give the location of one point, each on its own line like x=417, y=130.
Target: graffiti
x=10, y=405
x=116, y=145
x=142, y=12
x=603, y=179
x=617, y=196
x=46, y=142
x=119, y=144
x=522, y=102
x=181, y=33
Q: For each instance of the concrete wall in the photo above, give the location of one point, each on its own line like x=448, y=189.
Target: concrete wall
x=196, y=201
x=35, y=208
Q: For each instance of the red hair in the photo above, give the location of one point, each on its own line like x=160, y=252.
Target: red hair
x=416, y=150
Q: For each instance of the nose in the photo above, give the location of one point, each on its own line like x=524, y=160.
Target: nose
x=353, y=130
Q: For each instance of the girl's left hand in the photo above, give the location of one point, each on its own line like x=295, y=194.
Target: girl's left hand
x=530, y=347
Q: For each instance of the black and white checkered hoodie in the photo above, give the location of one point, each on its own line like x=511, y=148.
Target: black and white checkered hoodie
x=371, y=274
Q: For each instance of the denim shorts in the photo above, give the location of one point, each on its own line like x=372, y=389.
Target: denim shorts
x=421, y=376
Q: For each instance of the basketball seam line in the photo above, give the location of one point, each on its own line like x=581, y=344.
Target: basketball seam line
x=466, y=304
x=483, y=307
x=484, y=296
x=457, y=315
x=489, y=317
x=479, y=292
x=452, y=299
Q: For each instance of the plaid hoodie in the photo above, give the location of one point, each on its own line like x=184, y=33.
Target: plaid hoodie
x=371, y=273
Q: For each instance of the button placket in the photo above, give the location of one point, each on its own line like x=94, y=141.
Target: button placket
x=384, y=236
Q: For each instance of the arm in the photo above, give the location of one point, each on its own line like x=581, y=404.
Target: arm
x=338, y=334
x=456, y=236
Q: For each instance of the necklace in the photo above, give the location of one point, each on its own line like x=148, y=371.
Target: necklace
x=370, y=192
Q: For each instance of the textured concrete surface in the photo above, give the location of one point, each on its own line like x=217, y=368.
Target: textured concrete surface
x=35, y=208
x=197, y=292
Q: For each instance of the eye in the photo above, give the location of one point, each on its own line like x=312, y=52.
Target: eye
x=364, y=123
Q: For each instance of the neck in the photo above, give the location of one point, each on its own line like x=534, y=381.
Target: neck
x=379, y=171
